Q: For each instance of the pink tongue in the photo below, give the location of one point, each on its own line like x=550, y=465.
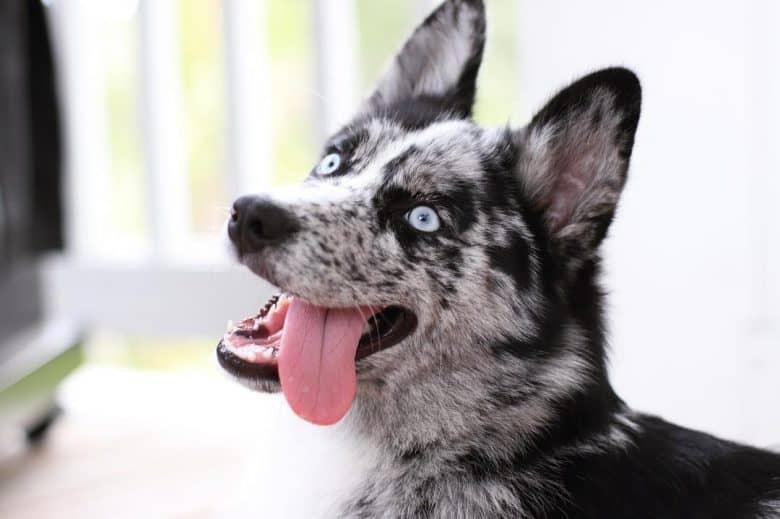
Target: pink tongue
x=317, y=360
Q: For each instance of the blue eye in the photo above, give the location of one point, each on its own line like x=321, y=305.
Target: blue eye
x=329, y=165
x=423, y=218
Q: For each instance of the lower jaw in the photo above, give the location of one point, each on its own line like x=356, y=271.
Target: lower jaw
x=260, y=377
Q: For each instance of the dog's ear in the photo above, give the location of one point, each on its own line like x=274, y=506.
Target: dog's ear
x=438, y=63
x=574, y=158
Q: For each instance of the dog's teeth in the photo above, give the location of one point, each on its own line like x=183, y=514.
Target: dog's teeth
x=250, y=356
x=229, y=325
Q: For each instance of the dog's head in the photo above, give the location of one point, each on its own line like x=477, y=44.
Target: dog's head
x=424, y=248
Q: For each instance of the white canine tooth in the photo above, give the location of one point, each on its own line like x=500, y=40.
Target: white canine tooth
x=229, y=324
x=250, y=356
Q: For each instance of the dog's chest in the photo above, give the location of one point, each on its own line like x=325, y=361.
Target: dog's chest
x=301, y=470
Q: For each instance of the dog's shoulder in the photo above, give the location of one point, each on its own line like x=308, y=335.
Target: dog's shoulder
x=670, y=471
x=639, y=467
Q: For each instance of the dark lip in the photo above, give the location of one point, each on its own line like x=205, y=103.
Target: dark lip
x=242, y=369
x=392, y=325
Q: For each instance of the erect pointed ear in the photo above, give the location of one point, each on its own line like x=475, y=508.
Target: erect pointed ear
x=574, y=158
x=438, y=63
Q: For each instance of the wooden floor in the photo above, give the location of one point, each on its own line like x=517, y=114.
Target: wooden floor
x=134, y=444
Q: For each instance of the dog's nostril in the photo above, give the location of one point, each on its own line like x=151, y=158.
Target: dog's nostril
x=256, y=222
x=255, y=228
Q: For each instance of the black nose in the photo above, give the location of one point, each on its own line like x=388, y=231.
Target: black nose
x=257, y=221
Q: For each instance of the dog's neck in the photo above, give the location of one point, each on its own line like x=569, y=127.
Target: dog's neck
x=513, y=401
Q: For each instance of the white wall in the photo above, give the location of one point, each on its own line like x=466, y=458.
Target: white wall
x=692, y=261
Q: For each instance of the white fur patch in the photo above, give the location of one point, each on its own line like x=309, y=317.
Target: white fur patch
x=300, y=470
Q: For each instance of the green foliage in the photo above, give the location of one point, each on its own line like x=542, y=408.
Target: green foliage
x=205, y=114
x=383, y=25
x=293, y=89
x=498, y=95
x=128, y=209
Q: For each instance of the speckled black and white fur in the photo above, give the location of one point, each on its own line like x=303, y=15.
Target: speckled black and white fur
x=499, y=404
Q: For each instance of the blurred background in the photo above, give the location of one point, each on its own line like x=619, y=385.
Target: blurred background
x=128, y=126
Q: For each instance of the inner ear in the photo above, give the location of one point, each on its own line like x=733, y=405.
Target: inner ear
x=575, y=155
x=438, y=64
x=581, y=158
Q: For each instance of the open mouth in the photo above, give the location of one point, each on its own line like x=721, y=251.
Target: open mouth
x=311, y=351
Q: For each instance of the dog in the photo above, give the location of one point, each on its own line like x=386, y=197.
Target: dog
x=441, y=313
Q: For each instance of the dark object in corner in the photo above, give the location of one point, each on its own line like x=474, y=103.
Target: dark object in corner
x=30, y=142
x=35, y=353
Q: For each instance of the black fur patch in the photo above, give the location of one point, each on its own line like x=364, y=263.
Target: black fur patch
x=501, y=188
x=674, y=473
x=395, y=165
x=621, y=82
x=391, y=202
x=460, y=202
x=513, y=260
x=415, y=114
